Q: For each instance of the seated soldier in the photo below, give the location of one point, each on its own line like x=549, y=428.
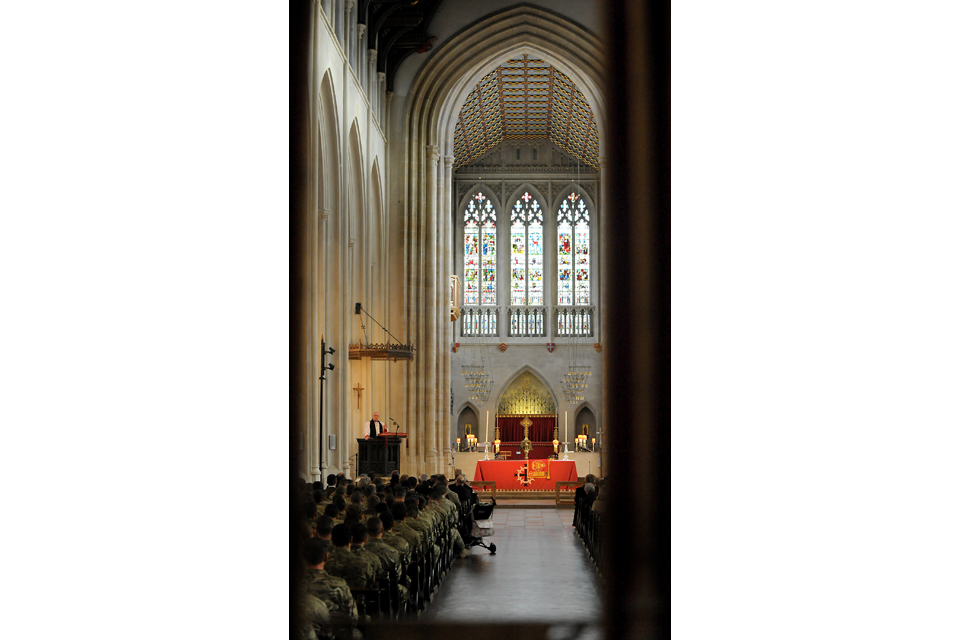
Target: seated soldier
x=330, y=590
x=325, y=526
x=393, y=539
x=341, y=506
x=426, y=521
x=456, y=541
x=344, y=564
x=352, y=515
x=358, y=538
x=415, y=539
x=443, y=485
x=371, y=510
x=331, y=511
x=413, y=521
x=390, y=557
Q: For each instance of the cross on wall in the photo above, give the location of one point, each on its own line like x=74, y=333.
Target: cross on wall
x=358, y=389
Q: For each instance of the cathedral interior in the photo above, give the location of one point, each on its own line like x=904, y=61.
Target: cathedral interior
x=457, y=250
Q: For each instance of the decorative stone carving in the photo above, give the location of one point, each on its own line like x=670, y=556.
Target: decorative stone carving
x=527, y=395
x=544, y=188
x=323, y=213
x=591, y=188
x=462, y=188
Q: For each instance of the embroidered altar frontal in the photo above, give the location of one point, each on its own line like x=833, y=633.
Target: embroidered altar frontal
x=526, y=475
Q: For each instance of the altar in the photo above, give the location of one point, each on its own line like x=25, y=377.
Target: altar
x=526, y=475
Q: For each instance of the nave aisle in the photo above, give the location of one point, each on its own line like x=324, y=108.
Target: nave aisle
x=540, y=573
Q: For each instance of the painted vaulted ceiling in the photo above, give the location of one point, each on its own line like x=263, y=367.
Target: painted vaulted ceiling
x=526, y=98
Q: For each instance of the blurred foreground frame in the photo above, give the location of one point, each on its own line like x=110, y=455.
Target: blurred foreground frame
x=637, y=372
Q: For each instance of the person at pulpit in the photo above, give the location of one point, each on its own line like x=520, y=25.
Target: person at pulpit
x=374, y=427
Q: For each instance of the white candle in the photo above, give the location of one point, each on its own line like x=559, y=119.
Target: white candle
x=566, y=433
x=487, y=437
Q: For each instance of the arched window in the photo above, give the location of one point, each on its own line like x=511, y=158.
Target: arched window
x=526, y=252
x=573, y=252
x=480, y=252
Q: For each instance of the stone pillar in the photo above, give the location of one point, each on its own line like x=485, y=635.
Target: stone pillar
x=447, y=334
x=361, y=63
x=431, y=339
x=373, y=88
x=348, y=31
x=383, y=100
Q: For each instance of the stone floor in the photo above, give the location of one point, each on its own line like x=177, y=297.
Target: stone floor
x=540, y=573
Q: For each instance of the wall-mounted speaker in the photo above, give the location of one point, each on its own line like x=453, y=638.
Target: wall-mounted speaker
x=332, y=442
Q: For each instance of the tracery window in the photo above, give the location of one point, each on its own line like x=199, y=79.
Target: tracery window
x=526, y=252
x=573, y=252
x=480, y=252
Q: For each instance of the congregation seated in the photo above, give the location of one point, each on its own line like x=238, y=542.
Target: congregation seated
x=327, y=603
x=377, y=538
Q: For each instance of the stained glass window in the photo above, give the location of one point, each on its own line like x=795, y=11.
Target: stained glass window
x=480, y=252
x=526, y=252
x=573, y=251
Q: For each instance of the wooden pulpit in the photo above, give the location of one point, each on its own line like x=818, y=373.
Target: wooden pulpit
x=380, y=455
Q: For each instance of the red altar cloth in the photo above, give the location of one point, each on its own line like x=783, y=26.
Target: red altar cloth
x=504, y=473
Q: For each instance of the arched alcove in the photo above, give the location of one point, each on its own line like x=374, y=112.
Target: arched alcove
x=468, y=415
x=526, y=398
x=586, y=423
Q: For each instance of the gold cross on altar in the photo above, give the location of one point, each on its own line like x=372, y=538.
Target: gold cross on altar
x=358, y=389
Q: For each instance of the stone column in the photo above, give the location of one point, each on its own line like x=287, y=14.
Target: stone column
x=361, y=63
x=348, y=31
x=373, y=88
x=430, y=255
x=447, y=334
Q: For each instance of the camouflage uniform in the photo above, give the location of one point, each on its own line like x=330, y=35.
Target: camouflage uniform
x=390, y=558
x=315, y=617
x=398, y=543
x=419, y=525
x=452, y=497
x=357, y=573
x=335, y=594
x=454, y=535
x=371, y=559
x=414, y=538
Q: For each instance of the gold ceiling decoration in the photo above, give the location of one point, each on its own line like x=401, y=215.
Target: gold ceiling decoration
x=526, y=98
